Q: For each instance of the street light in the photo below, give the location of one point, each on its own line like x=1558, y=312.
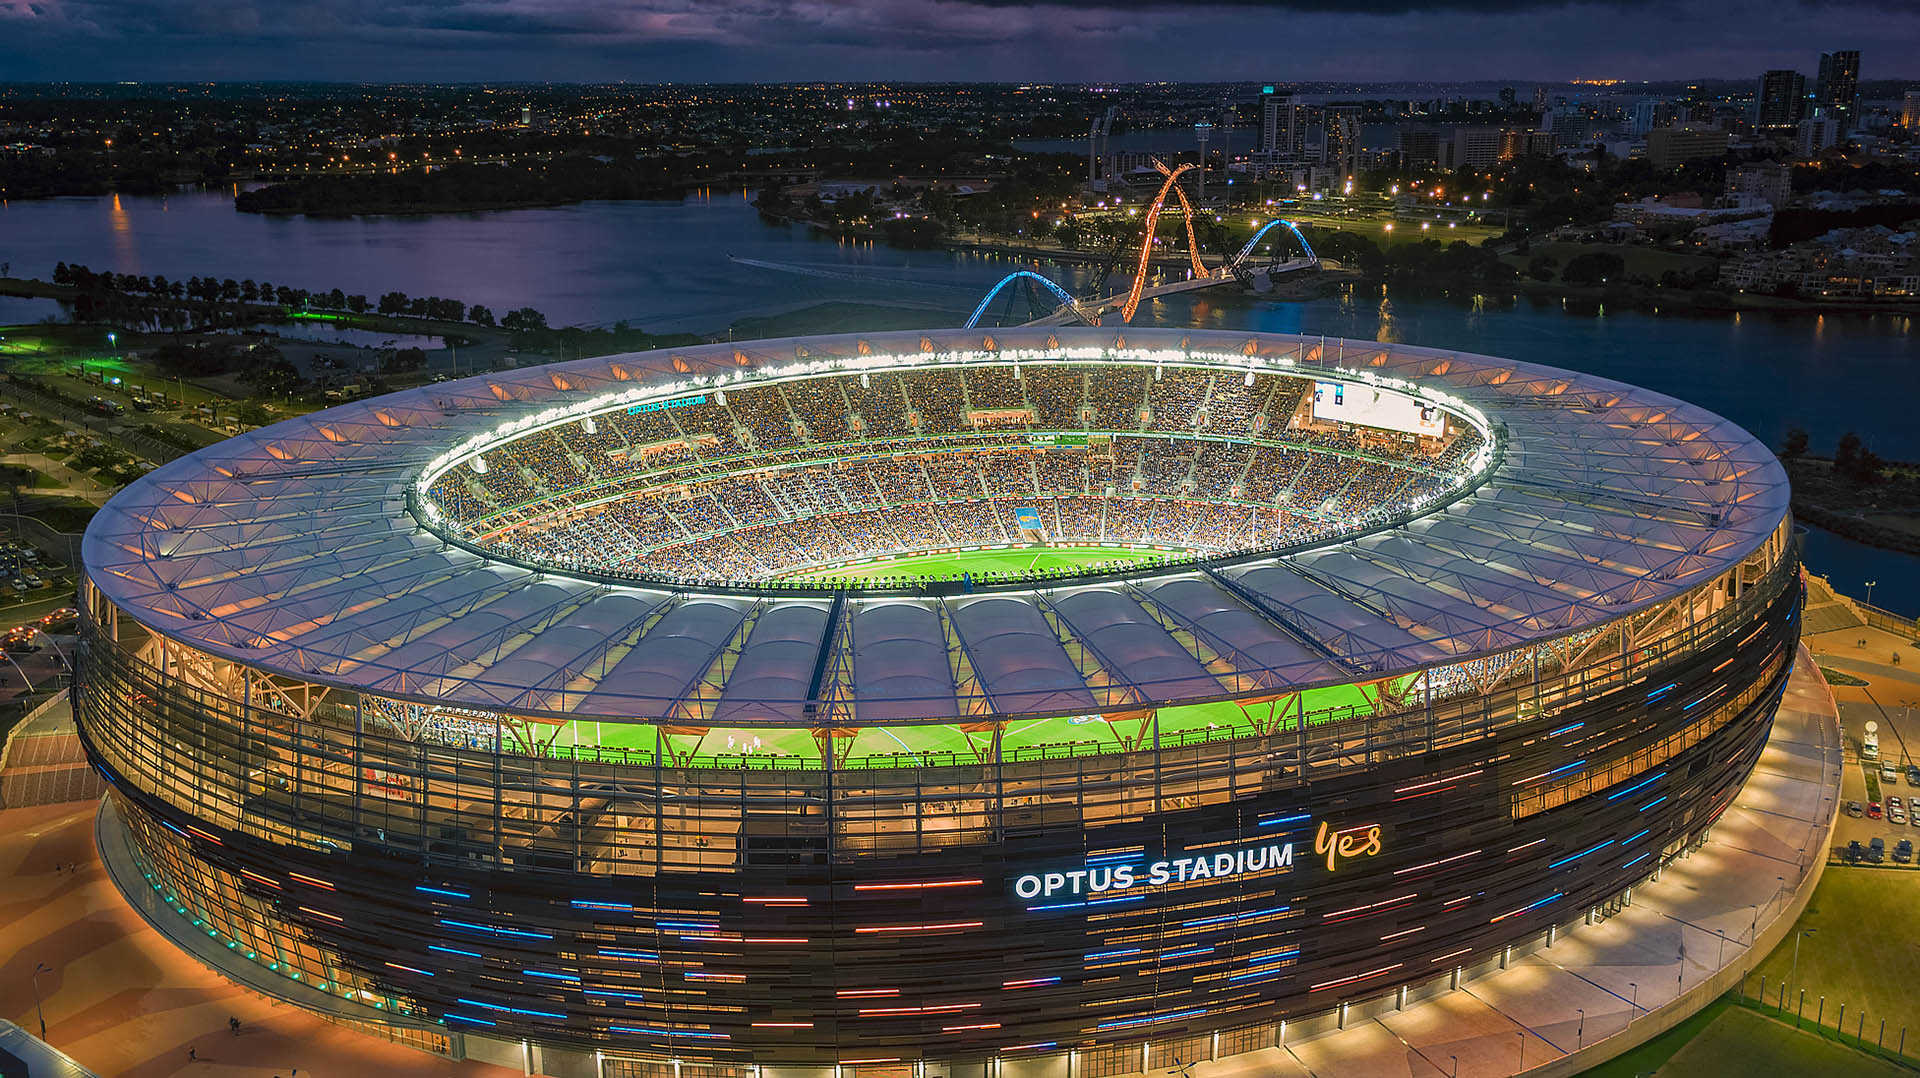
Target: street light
x=1795, y=968
x=1580, y=1034
x=38, y=969
x=1870, y=585
x=1636, y=996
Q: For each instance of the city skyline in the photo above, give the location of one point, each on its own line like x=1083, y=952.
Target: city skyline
x=964, y=40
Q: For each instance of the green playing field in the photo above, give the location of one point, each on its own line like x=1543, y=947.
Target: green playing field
x=978, y=562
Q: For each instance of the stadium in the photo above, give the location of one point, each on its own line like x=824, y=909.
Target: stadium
x=1073, y=700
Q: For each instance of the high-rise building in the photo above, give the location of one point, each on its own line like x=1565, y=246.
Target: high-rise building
x=1671, y=147
x=1520, y=142
x=1816, y=133
x=1284, y=127
x=1646, y=113
x=1507, y=99
x=1418, y=146
x=1539, y=99
x=1569, y=124
x=1837, y=90
x=1697, y=106
x=1910, y=112
x=1782, y=101
x=1472, y=147
x=1342, y=123
x=1766, y=182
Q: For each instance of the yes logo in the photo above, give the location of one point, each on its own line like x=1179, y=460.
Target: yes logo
x=1354, y=842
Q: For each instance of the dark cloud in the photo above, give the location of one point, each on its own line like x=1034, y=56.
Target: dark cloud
x=726, y=40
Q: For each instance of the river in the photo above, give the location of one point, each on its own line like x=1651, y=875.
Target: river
x=710, y=264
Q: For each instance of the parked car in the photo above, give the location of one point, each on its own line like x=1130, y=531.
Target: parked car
x=1893, y=801
x=1903, y=851
x=1897, y=816
x=1888, y=775
x=1873, y=807
x=1913, y=774
x=1854, y=810
x=1855, y=851
x=1877, y=851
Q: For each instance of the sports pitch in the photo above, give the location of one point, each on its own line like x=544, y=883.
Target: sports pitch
x=953, y=566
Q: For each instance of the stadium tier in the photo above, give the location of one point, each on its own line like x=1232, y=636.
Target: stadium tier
x=1090, y=700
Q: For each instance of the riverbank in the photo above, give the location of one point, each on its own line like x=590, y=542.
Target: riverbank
x=1883, y=514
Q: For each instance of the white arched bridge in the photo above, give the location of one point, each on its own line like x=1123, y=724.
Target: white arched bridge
x=1245, y=267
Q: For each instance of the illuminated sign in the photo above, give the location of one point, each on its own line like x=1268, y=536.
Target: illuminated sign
x=1027, y=518
x=661, y=406
x=1336, y=847
x=1097, y=879
x=1374, y=406
x=1056, y=439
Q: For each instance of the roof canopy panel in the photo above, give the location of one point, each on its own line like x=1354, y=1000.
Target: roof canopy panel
x=292, y=549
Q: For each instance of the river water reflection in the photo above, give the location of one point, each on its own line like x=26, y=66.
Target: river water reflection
x=709, y=264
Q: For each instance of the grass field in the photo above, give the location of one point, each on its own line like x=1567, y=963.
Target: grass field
x=1647, y=261
x=1740, y=1043
x=978, y=562
x=1860, y=953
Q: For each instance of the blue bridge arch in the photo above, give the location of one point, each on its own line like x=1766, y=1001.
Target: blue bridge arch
x=1268, y=227
x=1009, y=279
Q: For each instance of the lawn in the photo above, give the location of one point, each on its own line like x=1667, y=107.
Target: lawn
x=977, y=562
x=1740, y=1043
x=1860, y=953
x=1646, y=261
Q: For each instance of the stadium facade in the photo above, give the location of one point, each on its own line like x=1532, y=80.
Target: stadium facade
x=504, y=708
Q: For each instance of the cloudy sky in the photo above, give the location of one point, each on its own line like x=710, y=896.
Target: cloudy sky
x=1094, y=40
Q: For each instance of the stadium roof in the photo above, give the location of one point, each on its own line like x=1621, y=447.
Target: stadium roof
x=292, y=549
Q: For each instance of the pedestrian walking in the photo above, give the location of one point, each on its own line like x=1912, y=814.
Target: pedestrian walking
x=192, y=1056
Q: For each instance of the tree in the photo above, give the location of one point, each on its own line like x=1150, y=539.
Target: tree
x=524, y=319
x=1541, y=267
x=252, y=413
x=403, y=360
x=1593, y=267
x=1852, y=460
x=393, y=303
x=357, y=304
x=273, y=377
x=480, y=316
x=1795, y=444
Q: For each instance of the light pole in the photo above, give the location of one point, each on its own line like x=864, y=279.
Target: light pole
x=1456, y=1066
x=1636, y=996
x=1523, y=1050
x=38, y=969
x=1580, y=1034
x=1870, y=585
x=1795, y=968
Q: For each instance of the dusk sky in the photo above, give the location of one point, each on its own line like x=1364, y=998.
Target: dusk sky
x=780, y=40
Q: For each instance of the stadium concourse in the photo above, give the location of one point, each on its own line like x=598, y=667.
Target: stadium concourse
x=670, y=711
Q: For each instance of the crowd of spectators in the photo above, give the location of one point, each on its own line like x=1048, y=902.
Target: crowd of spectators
x=769, y=479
